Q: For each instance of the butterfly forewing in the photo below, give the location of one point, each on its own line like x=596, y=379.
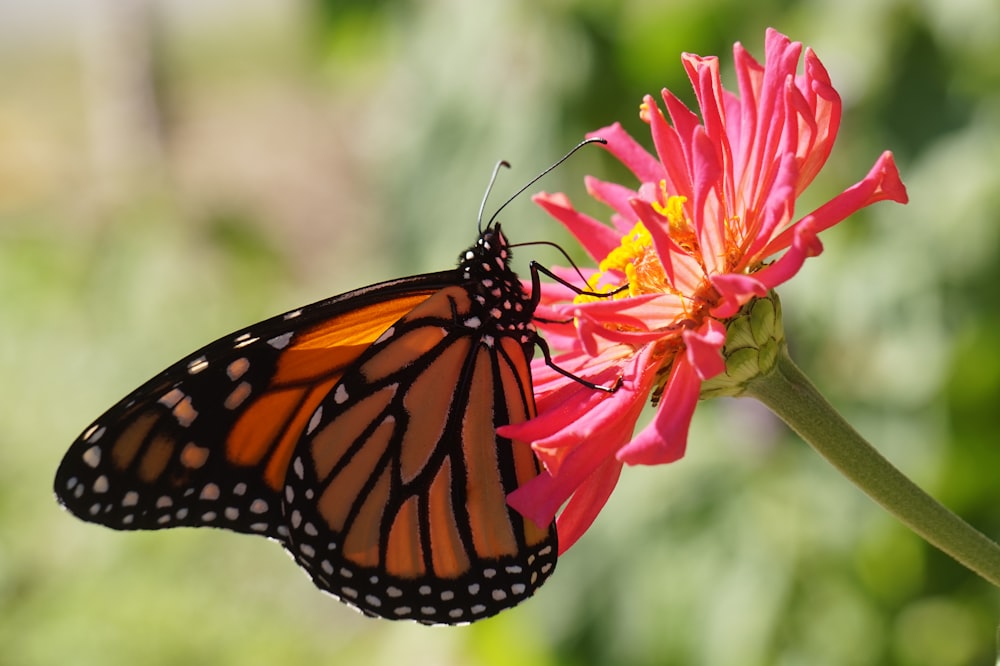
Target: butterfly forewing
x=207, y=441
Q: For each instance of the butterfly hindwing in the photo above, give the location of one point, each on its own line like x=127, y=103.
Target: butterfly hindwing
x=396, y=499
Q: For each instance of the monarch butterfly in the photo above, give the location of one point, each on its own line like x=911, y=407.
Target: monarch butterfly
x=359, y=432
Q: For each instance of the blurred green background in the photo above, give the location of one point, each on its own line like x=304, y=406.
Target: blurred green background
x=173, y=170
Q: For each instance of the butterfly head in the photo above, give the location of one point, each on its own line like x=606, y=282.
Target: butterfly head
x=485, y=269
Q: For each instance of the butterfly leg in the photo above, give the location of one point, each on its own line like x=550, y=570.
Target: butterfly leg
x=536, y=293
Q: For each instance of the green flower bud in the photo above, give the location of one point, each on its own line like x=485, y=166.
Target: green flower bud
x=754, y=338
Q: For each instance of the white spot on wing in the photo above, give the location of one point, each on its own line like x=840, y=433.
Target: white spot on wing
x=184, y=412
x=94, y=433
x=314, y=420
x=210, y=492
x=244, y=341
x=340, y=394
x=171, y=398
x=101, y=484
x=238, y=368
x=197, y=365
x=92, y=456
x=280, y=341
x=238, y=395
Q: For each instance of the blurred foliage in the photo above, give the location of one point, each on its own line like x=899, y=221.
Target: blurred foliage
x=276, y=153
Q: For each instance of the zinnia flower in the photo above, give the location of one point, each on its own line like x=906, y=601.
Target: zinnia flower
x=692, y=243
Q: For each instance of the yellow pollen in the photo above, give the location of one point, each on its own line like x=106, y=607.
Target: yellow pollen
x=644, y=111
x=637, y=259
x=673, y=210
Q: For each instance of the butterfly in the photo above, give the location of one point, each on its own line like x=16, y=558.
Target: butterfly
x=359, y=432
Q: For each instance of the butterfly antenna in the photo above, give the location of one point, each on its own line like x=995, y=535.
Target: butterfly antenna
x=539, y=177
x=486, y=195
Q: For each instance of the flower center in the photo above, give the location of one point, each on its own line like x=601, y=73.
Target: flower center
x=635, y=258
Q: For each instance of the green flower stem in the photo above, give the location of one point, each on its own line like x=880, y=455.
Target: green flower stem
x=790, y=395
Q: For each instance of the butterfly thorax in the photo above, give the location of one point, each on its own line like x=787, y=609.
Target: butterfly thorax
x=501, y=305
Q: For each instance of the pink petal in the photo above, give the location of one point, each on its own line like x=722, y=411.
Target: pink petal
x=826, y=110
x=541, y=497
x=704, y=348
x=735, y=289
x=881, y=184
x=710, y=219
x=630, y=153
x=588, y=500
x=777, y=212
x=669, y=149
x=596, y=238
x=665, y=439
x=805, y=244
x=612, y=194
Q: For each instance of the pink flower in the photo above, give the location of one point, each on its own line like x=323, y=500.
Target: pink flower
x=691, y=241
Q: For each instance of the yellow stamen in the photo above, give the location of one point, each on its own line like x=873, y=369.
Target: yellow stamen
x=637, y=259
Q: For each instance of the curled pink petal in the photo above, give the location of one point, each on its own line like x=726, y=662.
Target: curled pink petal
x=595, y=237
x=665, y=439
x=704, y=348
x=631, y=154
x=583, y=507
x=735, y=289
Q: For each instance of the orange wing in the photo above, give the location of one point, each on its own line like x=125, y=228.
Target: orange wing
x=396, y=500
x=207, y=441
